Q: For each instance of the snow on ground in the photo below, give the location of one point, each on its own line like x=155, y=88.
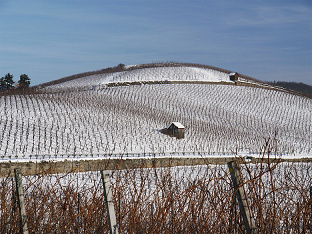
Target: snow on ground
x=147, y=74
x=218, y=119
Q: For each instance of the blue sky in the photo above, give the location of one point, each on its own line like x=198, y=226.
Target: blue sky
x=268, y=40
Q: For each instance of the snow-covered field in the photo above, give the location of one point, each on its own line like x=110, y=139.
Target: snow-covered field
x=146, y=74
x=100, y=120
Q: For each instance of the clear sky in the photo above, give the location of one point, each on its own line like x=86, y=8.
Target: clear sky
x=268, y=40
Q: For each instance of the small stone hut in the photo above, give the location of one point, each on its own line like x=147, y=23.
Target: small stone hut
x=233, y=76
x=175, y=129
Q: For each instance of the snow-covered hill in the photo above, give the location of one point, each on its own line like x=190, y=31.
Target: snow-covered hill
x=102, y=120
x=147, y=74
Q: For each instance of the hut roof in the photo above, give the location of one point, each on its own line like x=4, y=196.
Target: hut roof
x=178, y=125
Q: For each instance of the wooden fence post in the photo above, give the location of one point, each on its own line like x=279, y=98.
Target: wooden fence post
x=311, y=206
x=109, y=202
x=20, y=199
x=241, y=198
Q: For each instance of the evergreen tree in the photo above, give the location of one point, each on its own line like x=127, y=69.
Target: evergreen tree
x=2, y=83
x=24, y=81
x=6, y=82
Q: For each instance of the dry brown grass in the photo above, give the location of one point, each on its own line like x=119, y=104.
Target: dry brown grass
x=198, y=199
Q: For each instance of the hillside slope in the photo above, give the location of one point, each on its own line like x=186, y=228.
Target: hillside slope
x=102, y=120
x=299, y=87
x=130, y=74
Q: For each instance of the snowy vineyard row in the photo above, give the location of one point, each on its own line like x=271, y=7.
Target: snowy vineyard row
x=119, y=120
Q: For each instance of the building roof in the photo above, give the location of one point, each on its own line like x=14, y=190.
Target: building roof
x=178, y=125
x=232, y=74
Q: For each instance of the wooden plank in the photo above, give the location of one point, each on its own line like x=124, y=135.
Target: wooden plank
x=21, y=201
x=105, y=175
x=241, y=198
x=83, y=165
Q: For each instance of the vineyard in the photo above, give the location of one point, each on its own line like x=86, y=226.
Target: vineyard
x=160, y=183
x=101, y=120
x=151, y=72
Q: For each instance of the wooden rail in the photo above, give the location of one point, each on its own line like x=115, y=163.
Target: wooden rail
x=67, y=166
